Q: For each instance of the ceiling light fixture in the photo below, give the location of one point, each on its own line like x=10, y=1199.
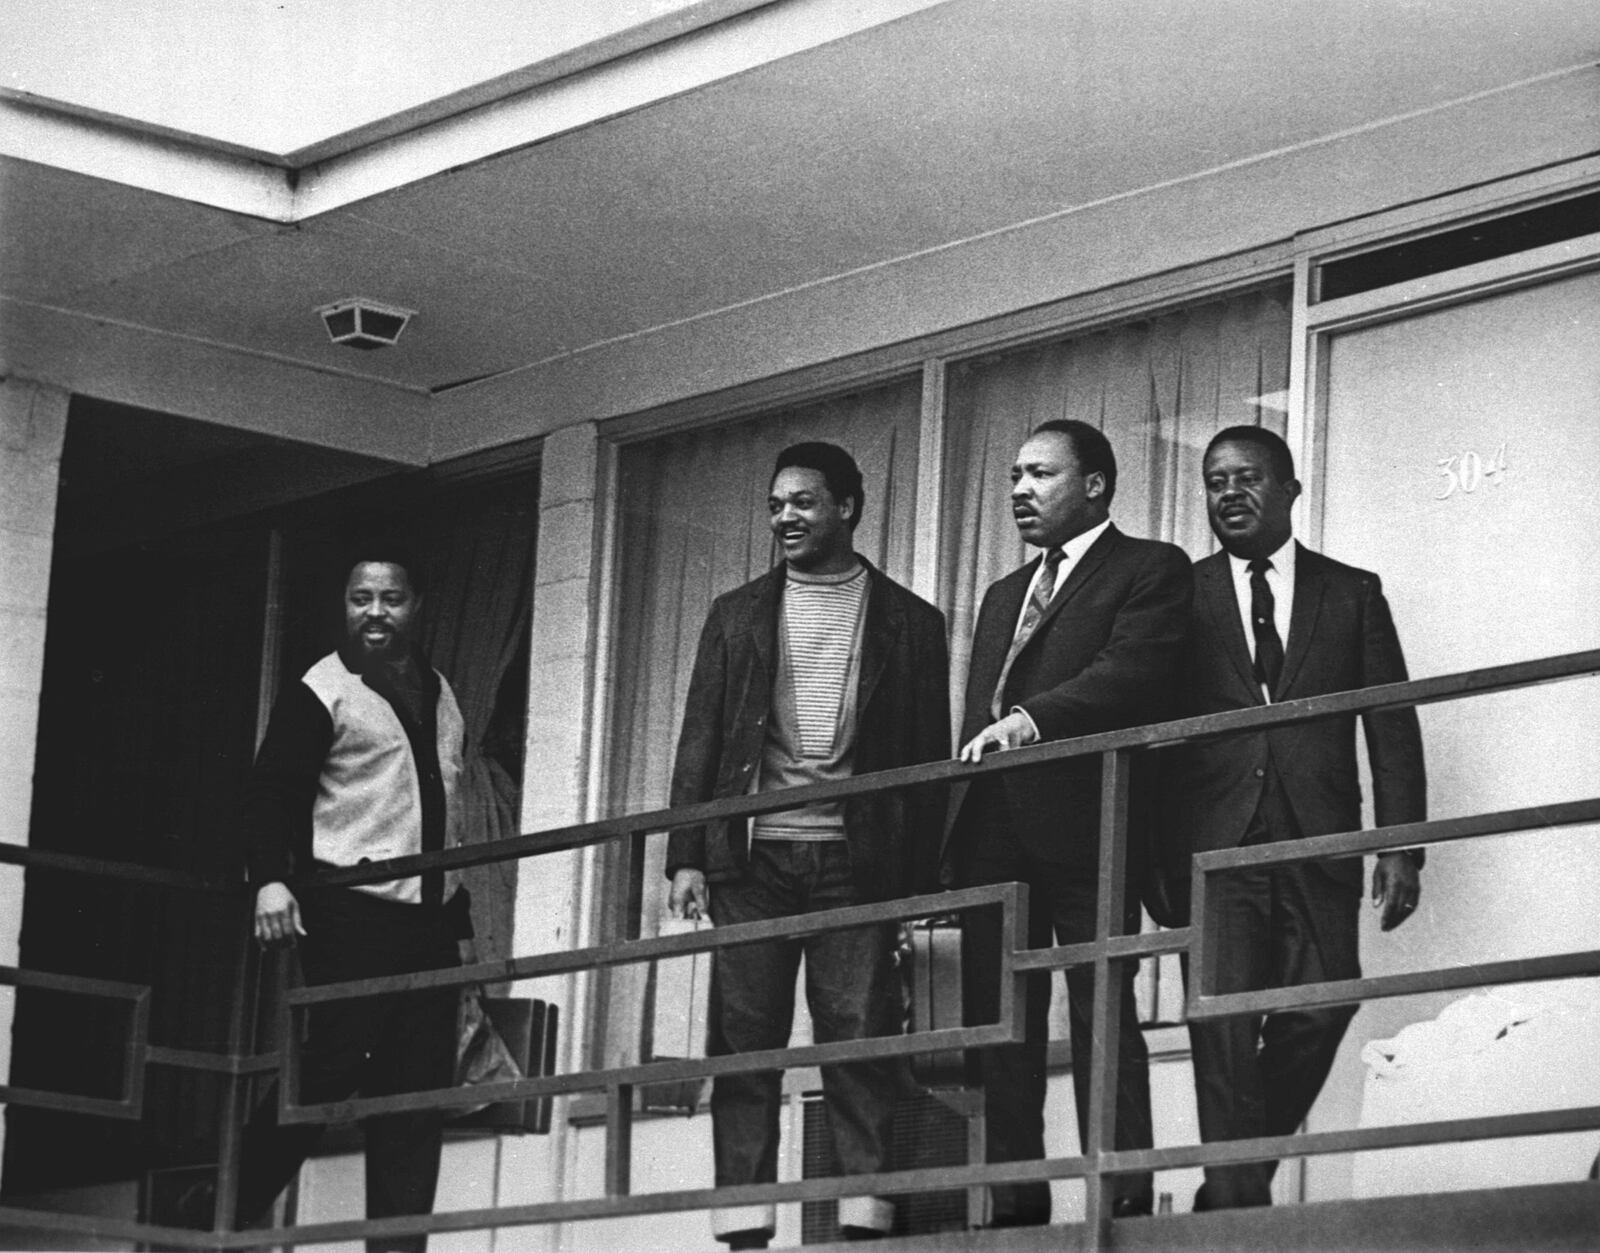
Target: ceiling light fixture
x=357, y=322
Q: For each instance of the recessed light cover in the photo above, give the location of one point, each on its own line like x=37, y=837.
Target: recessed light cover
x=357, y=322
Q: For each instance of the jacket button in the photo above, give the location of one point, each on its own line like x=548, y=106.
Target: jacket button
x=1260, y=773
x=745, y=769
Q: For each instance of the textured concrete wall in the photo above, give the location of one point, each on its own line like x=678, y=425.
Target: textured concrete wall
x=33, y=422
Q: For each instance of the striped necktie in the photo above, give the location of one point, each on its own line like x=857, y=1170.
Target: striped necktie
x=1043, y=589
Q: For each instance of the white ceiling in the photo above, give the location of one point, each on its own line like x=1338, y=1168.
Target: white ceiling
x=960, y=120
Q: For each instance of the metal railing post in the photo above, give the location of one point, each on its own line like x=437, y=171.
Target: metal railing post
x=236, y=1085
x=1100, y=1189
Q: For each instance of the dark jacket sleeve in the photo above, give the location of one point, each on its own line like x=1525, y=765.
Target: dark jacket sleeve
x=930, y=742
x=699, y=757
x=283, y=786
x=1130, y=676
x=1394, y=738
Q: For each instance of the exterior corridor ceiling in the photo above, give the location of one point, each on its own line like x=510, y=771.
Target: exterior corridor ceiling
x=946, y=124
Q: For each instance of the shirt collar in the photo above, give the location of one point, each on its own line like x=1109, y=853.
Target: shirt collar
x=1075, y=547
x=1283, y=562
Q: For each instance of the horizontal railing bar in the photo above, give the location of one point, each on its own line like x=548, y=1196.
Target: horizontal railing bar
x=1411, y=983
x=217, y=1063
x=941, y=1178
x=1118, y=948
x=938, y=1178
x=49, y=980
x=1405, y=835
x=69, y=1103
x=628, y=952
x=1361, y=1139
x=125, y=871
x=873, y=1048
x=1207, y=726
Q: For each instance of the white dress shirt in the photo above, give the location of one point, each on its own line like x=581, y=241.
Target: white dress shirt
x=1281, y=580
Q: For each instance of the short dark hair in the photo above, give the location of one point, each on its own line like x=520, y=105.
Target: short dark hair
x=837, y=467
x=1278, y=454
x=388, y=552
x=1089, y=446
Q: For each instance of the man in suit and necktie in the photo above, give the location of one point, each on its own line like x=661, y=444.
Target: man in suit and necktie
x=1085, y=638
x=1273, y=621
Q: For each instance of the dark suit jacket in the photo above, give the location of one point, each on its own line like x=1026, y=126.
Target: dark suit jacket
x=1101, y=658
x=1341, y=637
x=902, y=713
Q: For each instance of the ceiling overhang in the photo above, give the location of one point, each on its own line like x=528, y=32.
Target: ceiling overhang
x=689, y=48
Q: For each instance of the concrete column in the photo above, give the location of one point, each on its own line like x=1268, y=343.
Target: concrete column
x=33, y=423
x=550, y=912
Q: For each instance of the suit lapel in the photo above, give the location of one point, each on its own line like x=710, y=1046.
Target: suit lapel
x=989, y=647
x=1214, y=591
x=1308, y=588
x=884, y=624
x=764, y=618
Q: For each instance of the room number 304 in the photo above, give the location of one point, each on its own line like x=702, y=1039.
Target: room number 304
x=1468, y=471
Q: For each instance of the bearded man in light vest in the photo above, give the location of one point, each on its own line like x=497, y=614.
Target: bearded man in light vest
x=360, y=764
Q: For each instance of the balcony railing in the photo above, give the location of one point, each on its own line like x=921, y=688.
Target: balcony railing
x=1098, y=1163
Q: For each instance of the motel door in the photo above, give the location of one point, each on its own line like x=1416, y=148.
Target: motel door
x=1462, y=463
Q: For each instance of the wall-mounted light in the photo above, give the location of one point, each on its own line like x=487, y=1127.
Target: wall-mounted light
x=357, y=322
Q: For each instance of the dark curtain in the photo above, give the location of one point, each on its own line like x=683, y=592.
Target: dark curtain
x=146, y=731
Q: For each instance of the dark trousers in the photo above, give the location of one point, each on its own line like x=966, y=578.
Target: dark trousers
x=1255, y=1075
x=399, y=1042
x=851, y=989
x=1061, y=902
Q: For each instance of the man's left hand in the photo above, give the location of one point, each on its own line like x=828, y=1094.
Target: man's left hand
x=1013, y=731
x=1396, y=887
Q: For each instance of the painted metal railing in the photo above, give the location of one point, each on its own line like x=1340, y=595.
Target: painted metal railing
x=1097, y=1165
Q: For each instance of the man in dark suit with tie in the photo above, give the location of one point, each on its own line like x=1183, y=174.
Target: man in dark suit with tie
x=1083, y=639
x=1273, y=621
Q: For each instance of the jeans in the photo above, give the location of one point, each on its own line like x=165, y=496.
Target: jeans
x=851, y=988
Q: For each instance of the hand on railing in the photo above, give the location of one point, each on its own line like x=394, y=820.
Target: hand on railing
x=689, y=897
x=1015, y=730
x=277, y=915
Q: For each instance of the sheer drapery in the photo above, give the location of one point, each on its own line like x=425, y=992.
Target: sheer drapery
x=478, y=550
x=1159, y=389
x=694, y=525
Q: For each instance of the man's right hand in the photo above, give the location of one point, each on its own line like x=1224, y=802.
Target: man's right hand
x=690, y=897
x=277, y=914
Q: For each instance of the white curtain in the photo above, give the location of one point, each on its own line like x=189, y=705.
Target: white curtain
x=1159, y=389
x=694, y=525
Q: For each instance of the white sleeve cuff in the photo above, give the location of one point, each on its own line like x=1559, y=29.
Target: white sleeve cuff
x=1032, y=725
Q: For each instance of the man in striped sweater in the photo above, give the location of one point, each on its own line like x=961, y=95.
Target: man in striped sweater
x=821, y=669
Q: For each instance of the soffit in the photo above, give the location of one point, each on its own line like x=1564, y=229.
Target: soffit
x=962, y=120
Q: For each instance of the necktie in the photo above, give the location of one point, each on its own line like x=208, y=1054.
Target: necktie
x=1263, y=610
x=1043, y=589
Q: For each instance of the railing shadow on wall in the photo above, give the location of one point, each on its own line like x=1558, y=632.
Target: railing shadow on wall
x=1097, y=1165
